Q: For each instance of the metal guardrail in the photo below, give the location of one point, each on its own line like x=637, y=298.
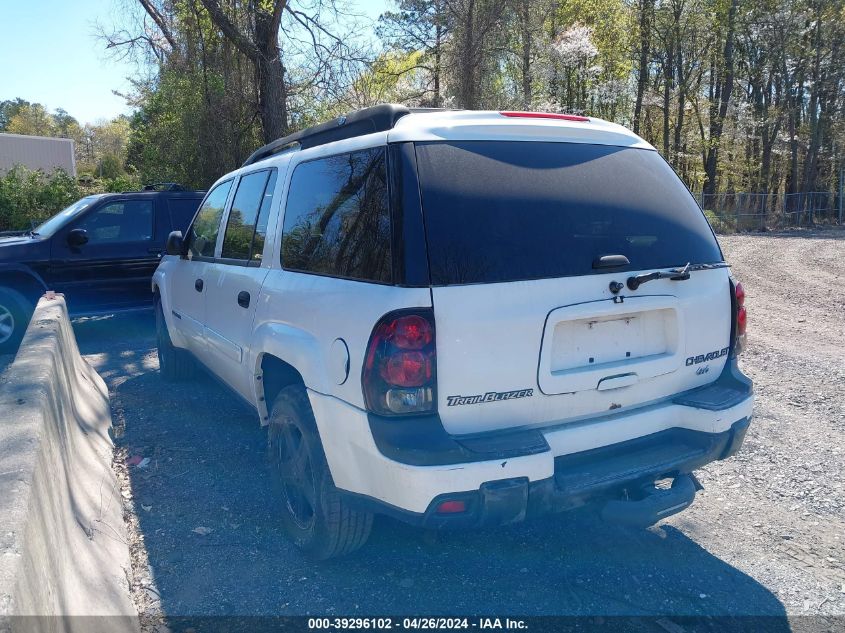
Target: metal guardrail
x=743, y=211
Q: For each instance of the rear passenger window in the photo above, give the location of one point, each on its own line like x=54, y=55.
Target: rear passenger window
x=337, y=220
x=203, y=236
x=248, y=215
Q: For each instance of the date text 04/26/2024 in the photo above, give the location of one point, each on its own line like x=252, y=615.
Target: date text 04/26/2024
x=411, y=623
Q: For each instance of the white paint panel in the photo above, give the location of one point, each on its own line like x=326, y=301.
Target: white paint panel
x=490, y=336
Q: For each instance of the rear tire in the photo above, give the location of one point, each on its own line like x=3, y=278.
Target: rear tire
x=174, y=364
x=15, y=313
x=315, y=515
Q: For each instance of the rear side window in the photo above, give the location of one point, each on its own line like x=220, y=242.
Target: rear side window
x=337, y=220
x=500, y=211
x=249, y=210
x=203, y=236
x=181, y=212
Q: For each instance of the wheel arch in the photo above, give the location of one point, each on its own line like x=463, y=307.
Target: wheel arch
x=23, y=280
x=274, y=375
x=298, y=355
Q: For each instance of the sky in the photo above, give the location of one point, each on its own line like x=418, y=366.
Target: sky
x=49, y=54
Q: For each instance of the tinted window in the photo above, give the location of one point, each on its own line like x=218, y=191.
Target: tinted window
x=237, y=242
x=181, y=211
x=337, y=220
x=48, y=228
x=504, y=211
x=203, y=235
x=116, y=222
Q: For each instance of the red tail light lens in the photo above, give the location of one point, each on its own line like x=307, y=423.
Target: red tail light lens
x=399, y=375
x=412, y=332
x=406, y=369
x=741, y=318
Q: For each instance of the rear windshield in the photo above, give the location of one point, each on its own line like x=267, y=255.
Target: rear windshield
x=505, y=211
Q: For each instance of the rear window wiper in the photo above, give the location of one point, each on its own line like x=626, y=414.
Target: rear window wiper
x=675, y=274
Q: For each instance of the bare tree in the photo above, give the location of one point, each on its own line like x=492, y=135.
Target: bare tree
x=261, y=46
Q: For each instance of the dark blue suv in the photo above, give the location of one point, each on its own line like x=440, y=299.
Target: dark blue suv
x=101, y=251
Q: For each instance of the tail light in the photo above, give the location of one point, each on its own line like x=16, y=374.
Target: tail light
x=740, y=318
x=400, y=368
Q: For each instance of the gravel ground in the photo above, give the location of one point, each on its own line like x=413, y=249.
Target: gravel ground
x=763, y=538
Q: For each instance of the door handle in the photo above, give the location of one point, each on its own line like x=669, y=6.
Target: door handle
x=243, y=299
x=198, y=285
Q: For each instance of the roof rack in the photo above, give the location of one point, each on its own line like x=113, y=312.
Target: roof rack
x=164, y=186
x=378, y=118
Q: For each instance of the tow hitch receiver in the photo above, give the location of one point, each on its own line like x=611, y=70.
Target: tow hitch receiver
x=657, y=504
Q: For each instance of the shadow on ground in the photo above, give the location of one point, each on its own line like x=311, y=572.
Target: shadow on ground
x=207, y=470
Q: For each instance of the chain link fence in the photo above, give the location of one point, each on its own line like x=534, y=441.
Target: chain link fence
x=732, y=212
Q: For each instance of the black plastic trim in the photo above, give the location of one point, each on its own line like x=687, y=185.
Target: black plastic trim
x=378, y=118
x=421, y=440
x=410, y=252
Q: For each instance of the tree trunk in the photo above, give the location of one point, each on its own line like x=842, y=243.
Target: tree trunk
x=667, y=95
x=438, y=54
x=272, y=90
x=724, y=87
x=646, y=7
x=808, y=181
x=525, y=18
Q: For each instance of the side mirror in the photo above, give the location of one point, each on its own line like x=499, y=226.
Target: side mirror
x=175, y=244
x=77, y=238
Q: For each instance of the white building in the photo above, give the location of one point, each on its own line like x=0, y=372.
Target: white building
x=36, y=152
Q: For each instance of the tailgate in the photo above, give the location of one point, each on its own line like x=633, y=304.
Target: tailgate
x=511, y=355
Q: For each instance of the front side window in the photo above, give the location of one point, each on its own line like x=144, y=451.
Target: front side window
x=203, y=235
x=249, y=210
x=337, y=219
x=63, y=217
x=120, y=222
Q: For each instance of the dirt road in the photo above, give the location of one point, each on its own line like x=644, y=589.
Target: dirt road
x=765, y=537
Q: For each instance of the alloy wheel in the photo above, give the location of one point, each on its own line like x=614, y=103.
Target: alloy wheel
x=7, y=324
x=292, y=462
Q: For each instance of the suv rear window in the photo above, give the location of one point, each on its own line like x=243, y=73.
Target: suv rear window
x=499, y=211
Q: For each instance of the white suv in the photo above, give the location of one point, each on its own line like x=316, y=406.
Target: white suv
x=462, y=318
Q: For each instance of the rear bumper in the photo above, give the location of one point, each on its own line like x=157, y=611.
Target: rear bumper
x=504, y=478
x=607, y=474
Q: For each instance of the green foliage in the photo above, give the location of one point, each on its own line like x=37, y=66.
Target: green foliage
x=189, y=129
x=29, y=197
x=109, y=167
